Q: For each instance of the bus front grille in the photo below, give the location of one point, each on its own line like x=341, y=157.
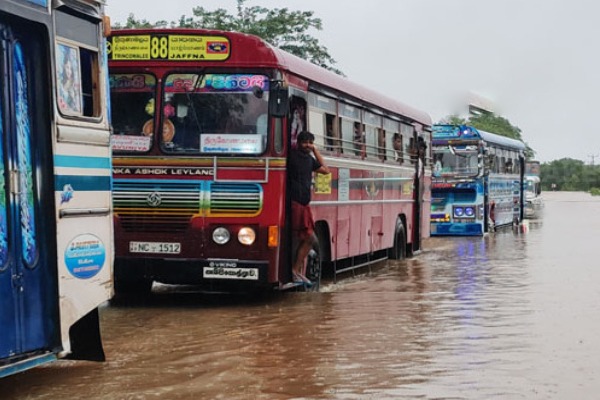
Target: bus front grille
x=235, y=199
x=167, y=206
x=156, y=206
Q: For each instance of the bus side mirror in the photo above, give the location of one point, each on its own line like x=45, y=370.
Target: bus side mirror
x=278, y=101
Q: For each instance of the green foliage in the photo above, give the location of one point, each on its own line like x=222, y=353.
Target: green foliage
x=595, y=191
x=493, y=123
x=133, y=23
x=454, y=120
x=569, y=174
x=282, y=28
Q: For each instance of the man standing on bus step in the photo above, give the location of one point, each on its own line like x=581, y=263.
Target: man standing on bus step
x=301, y=165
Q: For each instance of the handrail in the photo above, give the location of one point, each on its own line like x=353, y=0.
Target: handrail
x=84, y=212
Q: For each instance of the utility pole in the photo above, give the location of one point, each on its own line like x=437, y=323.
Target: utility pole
x=593, y=157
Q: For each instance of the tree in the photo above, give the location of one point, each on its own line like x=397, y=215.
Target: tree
x=570, y=174
x=280, y=27
x=492, y=123
x=133, y=23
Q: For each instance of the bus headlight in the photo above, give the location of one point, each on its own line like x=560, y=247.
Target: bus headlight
x=221, y=235
x=470, y=211
x=246, y=236
x=459, y=211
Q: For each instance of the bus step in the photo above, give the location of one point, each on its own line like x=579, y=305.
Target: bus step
x=292, y=286
x=364, y=264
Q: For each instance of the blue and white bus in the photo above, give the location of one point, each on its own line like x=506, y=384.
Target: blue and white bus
x=477, y=182
x=56, y=246
x=534, y=203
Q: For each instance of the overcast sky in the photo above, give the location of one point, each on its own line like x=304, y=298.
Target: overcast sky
x=537, y=61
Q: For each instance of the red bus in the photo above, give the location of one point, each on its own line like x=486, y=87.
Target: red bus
x=203, y=121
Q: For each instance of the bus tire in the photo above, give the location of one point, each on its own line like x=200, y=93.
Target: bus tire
x=314, y=266
x=398, y=251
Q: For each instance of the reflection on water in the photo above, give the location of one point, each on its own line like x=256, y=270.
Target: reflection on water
x=512, y=315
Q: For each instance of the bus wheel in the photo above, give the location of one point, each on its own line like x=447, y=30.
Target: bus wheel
x=398, y=252
x=313, y=267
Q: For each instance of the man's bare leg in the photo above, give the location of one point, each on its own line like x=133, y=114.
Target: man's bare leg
x=303, y=250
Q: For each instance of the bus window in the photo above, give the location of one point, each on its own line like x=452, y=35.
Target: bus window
x=393, y=140
x=397, y=147
x=89, y=82
x=371, y=124
x=411, y=150
x=202, y=114
x=77, y=71
x=316, y=125
x=132, y=108
x=332, y=133
x=371, y=140
x=347, y=136
x=76, y=81
x=407, y=131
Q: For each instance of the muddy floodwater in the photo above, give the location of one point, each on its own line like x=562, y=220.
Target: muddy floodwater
x=513, y=315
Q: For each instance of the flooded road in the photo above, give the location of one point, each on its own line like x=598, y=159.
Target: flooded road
x=508, y=316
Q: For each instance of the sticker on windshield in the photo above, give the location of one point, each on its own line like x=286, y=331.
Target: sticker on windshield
x=217, y=143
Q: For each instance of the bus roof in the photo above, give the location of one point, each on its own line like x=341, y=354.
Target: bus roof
x=263, y=55
x=335, y=82
x=464, y=132
x=502, y=140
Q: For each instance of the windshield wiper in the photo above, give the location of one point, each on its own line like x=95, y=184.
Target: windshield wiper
x=194, y=115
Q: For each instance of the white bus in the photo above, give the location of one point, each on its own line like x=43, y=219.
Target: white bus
x=56, y=246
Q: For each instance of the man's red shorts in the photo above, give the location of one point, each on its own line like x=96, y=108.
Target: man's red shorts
x=302, y=221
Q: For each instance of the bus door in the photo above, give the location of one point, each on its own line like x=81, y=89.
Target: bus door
x=418, y=157
x=27, y=258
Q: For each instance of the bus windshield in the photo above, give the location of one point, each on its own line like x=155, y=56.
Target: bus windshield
x=532, y=187
x=215, y=113
x=452, y=161
x=132, y=105
x=211, y=113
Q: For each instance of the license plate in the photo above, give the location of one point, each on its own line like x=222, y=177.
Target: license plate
x=155, y=247
x=242, y=274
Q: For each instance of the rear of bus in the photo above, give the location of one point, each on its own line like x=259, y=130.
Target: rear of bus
x=199, y=176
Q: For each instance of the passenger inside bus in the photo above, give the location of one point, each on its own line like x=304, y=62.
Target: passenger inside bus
x=128, y=120
x=397, y=145
x=412, y=150
x=186, y=132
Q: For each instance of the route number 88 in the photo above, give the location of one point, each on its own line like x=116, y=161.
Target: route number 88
x=159, y=47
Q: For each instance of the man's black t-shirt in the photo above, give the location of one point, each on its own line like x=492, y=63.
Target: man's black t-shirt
x=300, y=168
